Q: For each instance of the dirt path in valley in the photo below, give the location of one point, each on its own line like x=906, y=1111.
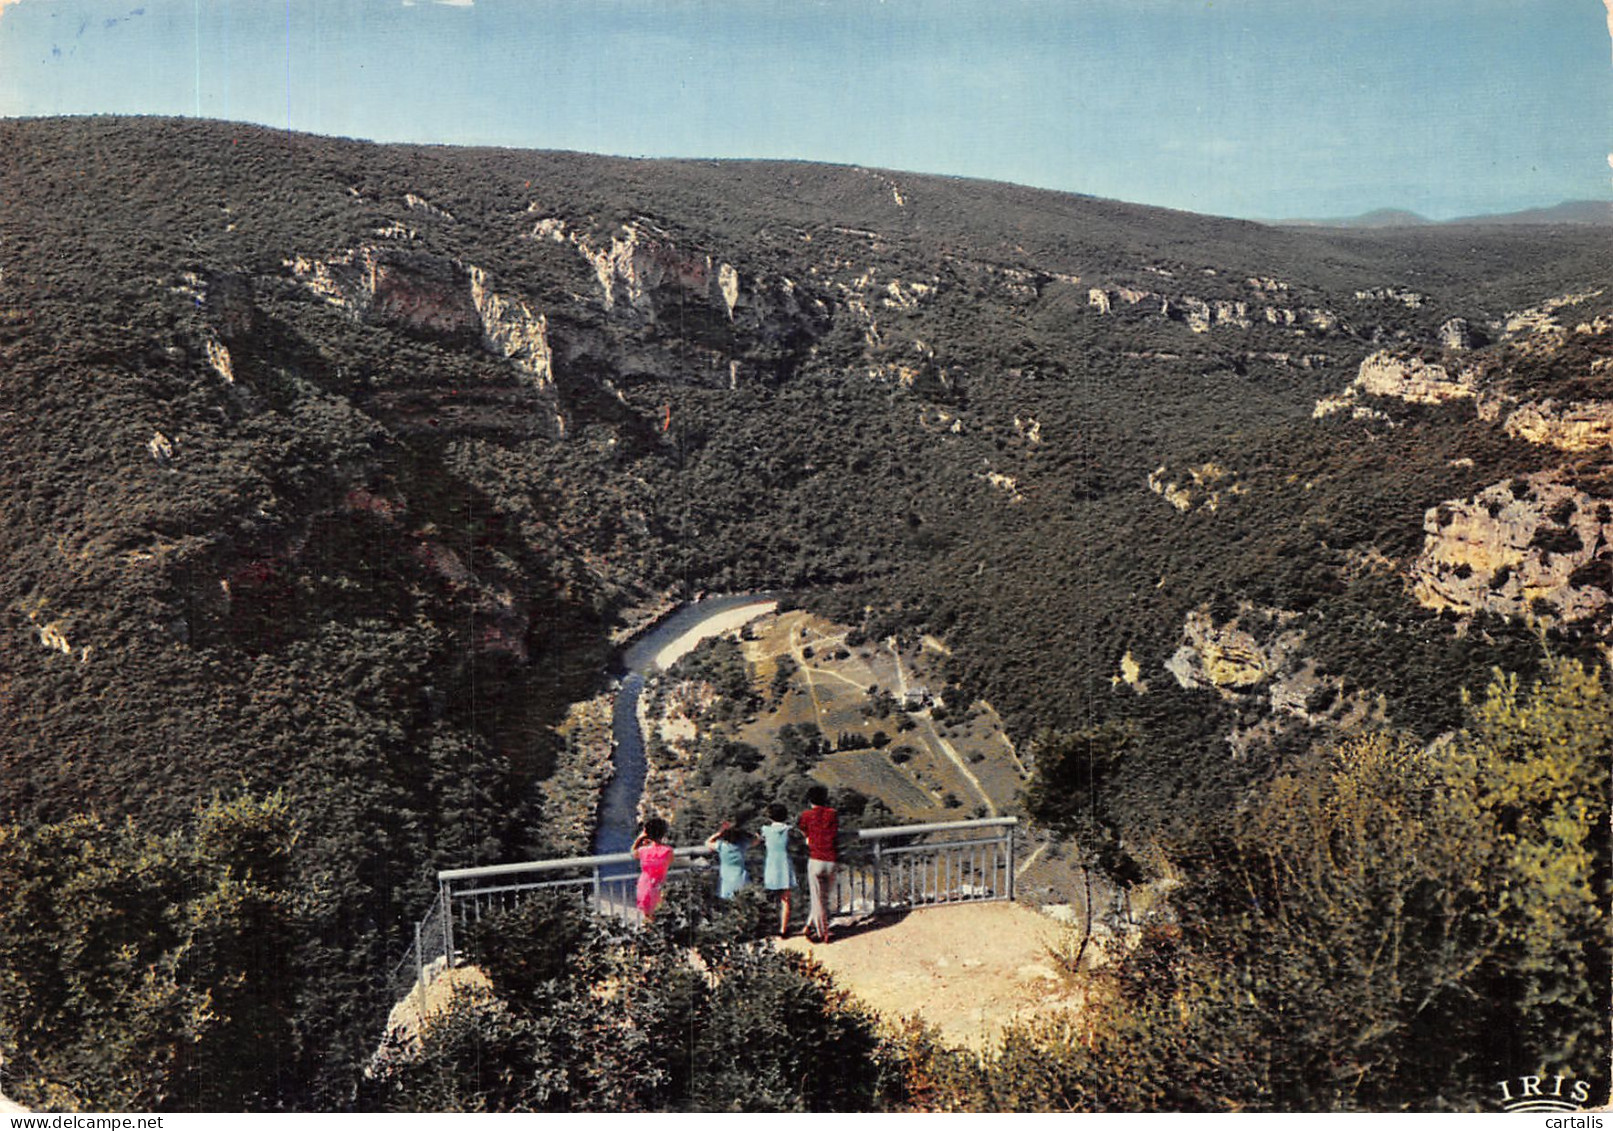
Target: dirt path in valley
x=944, y=746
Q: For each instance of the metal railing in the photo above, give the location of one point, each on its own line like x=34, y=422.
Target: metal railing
x=883, y=870
x=926, y=865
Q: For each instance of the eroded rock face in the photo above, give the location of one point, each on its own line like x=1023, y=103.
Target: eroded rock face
x=645, y=277
x=411, y=289
x=426, y=293
x=1528, y=547
x=1580, y=426
x=1408, y=379
x=1413, y=381
x=1227, y=657
x=1409, y=299
x=1259, y=656
x=640, y=261
x=511, y=329
x=1538, y=328
x=1456, y=334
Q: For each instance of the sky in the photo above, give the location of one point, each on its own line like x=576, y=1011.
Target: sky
x=1252, y=108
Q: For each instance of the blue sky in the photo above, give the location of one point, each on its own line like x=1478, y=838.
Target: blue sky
x=1255, y=108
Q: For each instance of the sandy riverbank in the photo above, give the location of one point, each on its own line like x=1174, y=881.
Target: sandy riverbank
x=716, y=625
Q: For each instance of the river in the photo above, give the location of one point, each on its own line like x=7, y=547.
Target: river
x=655, y=651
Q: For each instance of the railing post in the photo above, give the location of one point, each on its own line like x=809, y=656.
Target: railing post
x=447, y=897
x=879, y=868
x=1011, y=863
x=419, y=959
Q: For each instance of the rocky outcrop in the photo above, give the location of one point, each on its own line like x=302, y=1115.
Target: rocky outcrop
x=218, y=356
x=421, y=204
x=1456, y=334
x=1537, y=329
x=511, y=329
x=1581, y=426
x=640, y=260
x=1412, y=380
x=1007, y=484
x=439, y=993
x=1258, y=655
x=748, y=325
x=1130, y=674
x=1226, y=657
x=1200, y=315
x=1203, y=486
x=428, y=294
x=1411, y=300
x=1529, y=547
x=728, y=286
x=1203, y=315
x=1406, y=379
x=53, y=635
x=411, y=289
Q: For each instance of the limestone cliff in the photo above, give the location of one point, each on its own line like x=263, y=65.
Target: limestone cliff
x=424, y=293
x=1407, y=379
x=412, y=289
x=1529, y=547
x=1579, y=426
x=512, y=330
x=1258, y=657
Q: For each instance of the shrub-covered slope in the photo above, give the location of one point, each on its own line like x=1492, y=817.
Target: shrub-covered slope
x=334, y=467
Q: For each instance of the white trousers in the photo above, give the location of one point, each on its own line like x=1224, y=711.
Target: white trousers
x=820, y=881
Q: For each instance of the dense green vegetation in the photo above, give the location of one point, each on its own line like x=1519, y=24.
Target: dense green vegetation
x=1386, y=926
x=365, y=565
x=595, y=1017
x=174, y=966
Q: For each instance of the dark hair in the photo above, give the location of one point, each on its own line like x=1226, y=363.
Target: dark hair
x=655, y=828
x=735, y=835
x=778, y=811
x=817, y=795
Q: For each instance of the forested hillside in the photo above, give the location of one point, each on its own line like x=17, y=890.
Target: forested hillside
x=330, y=472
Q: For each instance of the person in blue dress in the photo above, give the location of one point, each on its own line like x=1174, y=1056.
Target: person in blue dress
x=778, y=874
x=730, y=842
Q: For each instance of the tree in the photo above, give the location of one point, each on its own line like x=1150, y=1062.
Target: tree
x=139, y=972
x=1071, y=794
x=1535, y=767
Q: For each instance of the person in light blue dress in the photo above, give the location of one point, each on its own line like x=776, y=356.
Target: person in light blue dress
x=730, y=842
x=778, y=874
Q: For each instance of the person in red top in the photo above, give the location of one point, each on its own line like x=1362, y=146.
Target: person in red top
x=821, y=825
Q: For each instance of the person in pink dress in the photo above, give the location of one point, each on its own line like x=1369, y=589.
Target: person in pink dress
x=654, y=858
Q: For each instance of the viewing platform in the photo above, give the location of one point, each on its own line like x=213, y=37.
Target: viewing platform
x=882, y=872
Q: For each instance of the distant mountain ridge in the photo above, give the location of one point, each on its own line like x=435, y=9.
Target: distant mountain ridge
x=1587, y=212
